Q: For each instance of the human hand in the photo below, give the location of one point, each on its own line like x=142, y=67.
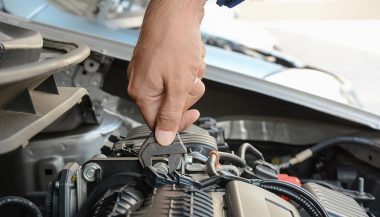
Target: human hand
x=167, y=67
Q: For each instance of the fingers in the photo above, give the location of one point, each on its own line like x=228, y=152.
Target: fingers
x=202, y=69
x=173, y=114
x=169, y=116
x=195, y=94
x=188, y=118
x=149, y=108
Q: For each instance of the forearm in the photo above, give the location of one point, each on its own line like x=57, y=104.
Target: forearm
x=167, y=66
x=172, y=16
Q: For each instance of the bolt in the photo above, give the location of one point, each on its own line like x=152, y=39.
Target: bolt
x=89, y=172
x=361, y=185
x=161, y=168
x=188, y=160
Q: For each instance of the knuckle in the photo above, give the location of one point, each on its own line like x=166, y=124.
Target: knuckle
x=132, y=92
x=198, y=90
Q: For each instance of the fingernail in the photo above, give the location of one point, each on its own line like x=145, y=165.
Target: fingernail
x=165, y=138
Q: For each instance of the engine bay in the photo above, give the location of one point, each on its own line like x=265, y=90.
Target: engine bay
x=207, y=182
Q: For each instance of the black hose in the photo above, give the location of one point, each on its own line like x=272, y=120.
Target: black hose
x=248, y=147
x=234, y=159
x=300, y=191
x=307, y=153
x=21, y=202
x=344, y=139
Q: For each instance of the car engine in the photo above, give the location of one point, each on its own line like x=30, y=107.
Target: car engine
x=207, y=182
x=73, y=144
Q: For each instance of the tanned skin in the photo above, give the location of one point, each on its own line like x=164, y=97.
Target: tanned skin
x=167, y=66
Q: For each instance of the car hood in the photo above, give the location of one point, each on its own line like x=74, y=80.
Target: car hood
x=230, y=71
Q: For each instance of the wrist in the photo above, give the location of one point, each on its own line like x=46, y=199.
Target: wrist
x=188, y=12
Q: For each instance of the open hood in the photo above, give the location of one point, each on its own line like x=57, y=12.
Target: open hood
x=228, y=72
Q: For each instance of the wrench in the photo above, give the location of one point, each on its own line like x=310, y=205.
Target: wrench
x=150, y=148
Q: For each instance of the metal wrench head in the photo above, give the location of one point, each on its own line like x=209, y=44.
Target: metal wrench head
x=150, y=148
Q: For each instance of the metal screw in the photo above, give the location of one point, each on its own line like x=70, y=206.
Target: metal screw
x=188, y=160
x=161, y=168
x=361, y=185
x=89, y=172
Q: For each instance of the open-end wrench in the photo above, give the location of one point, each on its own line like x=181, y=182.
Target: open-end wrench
x=150, y=148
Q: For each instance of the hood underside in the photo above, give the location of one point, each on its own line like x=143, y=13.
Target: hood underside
x=215, y=72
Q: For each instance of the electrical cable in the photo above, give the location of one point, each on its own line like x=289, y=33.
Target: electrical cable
x=21, y=202
x=297, y=194
x=300, y=191
x=302, y=201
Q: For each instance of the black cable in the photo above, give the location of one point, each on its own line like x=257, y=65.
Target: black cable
x=297, y=194
x=302, y=192
x=302, y=201
x=248, y=147
x=21, y=202
x=234, y=159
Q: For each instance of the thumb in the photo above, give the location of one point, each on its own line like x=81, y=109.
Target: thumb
x=169, y=117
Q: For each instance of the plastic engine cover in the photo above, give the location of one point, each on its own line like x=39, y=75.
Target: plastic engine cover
x=245, y=200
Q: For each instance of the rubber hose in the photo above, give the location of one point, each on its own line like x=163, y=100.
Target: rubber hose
x=344, y=139
x=234, y=159
x=299, y=191
x=21, y=202
x=307, y=153
x=303, y=202
x=211, y=166
x=248, y=147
